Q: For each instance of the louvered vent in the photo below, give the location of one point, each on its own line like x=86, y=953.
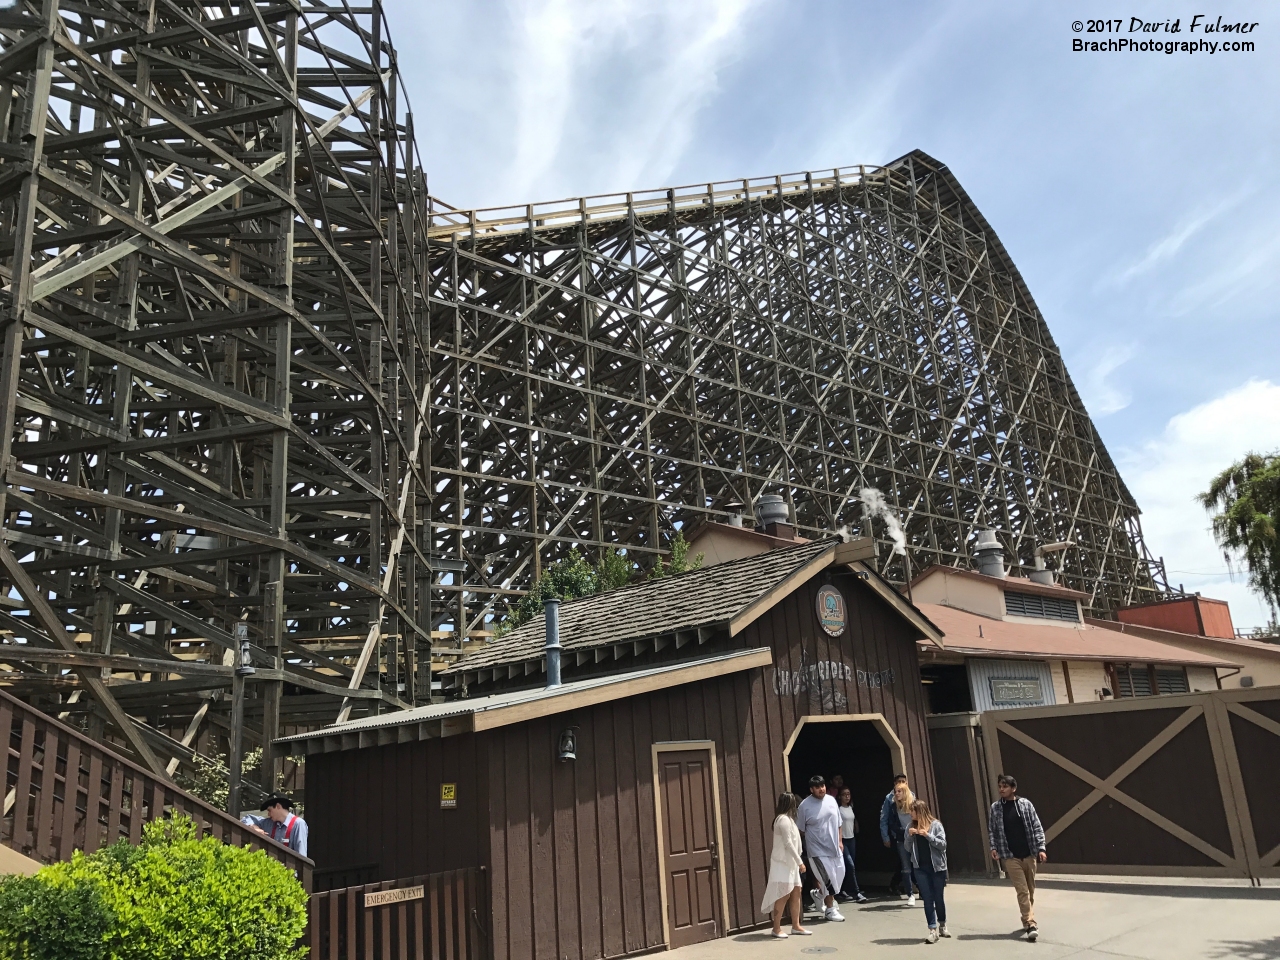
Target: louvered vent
x=1045, y=608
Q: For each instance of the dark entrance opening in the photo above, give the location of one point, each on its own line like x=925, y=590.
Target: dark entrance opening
x=946, y=685
x=855, y=750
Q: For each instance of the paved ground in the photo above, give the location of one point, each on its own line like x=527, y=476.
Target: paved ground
x=1081, y=919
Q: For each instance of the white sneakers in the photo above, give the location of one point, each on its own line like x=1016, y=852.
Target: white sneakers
x=933, y=935
x=942, y=930
x=817, y=897
x=1033, y=933
x=833, y=914
x=911, y=900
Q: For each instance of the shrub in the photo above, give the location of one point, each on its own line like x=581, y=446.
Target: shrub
x=174, y=897
x=43, y=919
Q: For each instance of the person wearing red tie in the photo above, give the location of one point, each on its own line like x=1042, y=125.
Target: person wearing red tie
x=279, y=823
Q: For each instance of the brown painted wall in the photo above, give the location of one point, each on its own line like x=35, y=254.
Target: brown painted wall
x=574, y=856
x=572, y=847
x=380, y=808
x=875, y=642
x=583, y=835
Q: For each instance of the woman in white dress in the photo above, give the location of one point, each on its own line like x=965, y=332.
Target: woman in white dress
x=786, y=863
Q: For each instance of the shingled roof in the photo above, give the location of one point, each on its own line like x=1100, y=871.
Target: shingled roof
x=707, y=600
x=702, y=605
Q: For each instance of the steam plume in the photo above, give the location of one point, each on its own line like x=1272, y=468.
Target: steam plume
x=875, y=505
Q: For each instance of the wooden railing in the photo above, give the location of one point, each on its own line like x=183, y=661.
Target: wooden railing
x=65, y=792
x=439, y=916
x=447, y=221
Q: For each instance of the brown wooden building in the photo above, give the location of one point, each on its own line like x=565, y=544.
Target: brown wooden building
x=691, y=702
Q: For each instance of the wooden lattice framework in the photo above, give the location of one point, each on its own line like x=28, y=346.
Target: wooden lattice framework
x=215, y=368
x=612, y=368
x=253, y=374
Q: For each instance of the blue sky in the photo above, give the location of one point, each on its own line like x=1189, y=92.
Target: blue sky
x=1137, y=192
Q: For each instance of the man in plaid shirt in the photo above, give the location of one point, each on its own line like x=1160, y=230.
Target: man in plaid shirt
x=1017, y=842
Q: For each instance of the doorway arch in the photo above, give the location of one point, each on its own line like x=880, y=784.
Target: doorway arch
x=897, y=756
x=866, y=751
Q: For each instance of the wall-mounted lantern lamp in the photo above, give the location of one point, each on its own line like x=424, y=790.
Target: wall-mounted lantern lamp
x=568, y=744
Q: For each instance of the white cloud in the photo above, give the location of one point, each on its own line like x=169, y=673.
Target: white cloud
x=1100, y=396
x=1168, y=246
x=610, y=92
x=1166, y=473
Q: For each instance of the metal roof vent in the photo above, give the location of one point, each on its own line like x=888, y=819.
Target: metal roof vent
x=771, y=508
x=1042, y=573
x=989, y=554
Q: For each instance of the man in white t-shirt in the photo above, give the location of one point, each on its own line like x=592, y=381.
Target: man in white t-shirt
x=818, y=818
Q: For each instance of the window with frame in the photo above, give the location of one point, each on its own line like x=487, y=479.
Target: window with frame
x=1132, y=680
x=1145, y=680
x=1171, y=680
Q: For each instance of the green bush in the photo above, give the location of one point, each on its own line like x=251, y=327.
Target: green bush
x=44, y=919
x=173, y=897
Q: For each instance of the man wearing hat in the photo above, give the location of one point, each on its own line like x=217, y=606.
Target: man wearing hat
x=279, y=824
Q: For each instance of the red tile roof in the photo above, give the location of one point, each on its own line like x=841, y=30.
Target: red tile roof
x=1002, y=638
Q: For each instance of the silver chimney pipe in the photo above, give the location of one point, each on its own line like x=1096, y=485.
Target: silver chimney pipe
x=989, y=554
x=553, y=648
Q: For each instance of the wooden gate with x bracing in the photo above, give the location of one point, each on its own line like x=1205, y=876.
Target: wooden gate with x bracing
x=1172, y=785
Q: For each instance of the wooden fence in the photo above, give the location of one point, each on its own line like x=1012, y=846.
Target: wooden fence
x=65, y=792
x=1181, y=785
x=438, y=916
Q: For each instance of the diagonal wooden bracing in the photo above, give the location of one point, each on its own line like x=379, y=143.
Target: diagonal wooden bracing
x=215, y=370
x=612, y=368
x=252, y=372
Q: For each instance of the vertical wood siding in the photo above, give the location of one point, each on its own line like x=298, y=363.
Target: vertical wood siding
x=375, y=814
x=572, y=848
x=884, y=670
x=574, y=845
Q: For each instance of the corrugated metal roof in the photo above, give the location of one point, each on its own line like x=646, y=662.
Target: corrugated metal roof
x=1002, y=638
x=624, y=684
x=709, y=597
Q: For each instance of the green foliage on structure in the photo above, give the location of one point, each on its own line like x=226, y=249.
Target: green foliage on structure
x=568, y=579
x=175, y=896
x=574, y=577
x=1245, y=502
x=679, y=562
x=210, y=778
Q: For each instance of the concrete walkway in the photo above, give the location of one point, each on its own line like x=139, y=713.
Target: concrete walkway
x=1079, y=918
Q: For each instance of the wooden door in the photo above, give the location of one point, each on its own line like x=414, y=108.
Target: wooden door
x=691, y=860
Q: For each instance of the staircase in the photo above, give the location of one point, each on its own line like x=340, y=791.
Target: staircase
x=66, y=792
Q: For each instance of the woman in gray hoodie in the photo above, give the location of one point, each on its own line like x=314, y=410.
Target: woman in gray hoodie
x=927, y=843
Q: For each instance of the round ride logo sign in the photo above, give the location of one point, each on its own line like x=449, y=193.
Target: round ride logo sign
x=831, y=611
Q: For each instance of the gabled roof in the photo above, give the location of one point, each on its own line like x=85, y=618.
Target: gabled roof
x=501, y=709
x=699, y=604
x=974, y=635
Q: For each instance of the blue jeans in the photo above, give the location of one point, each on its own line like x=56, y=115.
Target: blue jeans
x=931, y=883
x=850, y=885
x=904, y=865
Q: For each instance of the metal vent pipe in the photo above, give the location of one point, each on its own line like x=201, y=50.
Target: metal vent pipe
x=989, y=554
x=553, y=648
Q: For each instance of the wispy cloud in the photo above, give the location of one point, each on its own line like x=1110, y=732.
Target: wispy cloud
x=579, y=118
x=1101, y=396
x=1250, y=265
x=1168, y=246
